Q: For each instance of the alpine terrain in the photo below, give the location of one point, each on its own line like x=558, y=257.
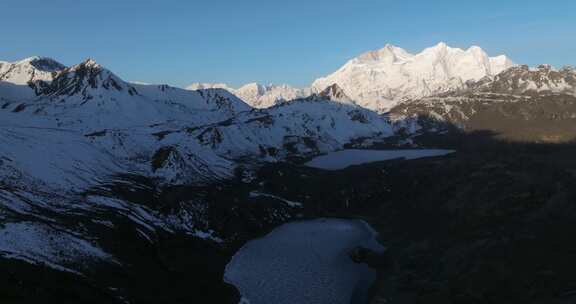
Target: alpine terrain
x=120, y=192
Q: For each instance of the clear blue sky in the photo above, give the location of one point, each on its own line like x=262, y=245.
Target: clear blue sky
x=294, y=42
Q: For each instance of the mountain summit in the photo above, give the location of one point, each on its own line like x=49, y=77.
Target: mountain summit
x=18, y=79
x=335, y=93
x=379, y=79
x=258, y=95
x=87, y=79
x=29, y=70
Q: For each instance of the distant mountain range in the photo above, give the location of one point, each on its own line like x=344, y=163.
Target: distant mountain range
x=377, y=80
x=258, y=95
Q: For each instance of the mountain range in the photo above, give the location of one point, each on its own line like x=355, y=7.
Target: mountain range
x=258, y=95
x=85, y=155
x=377, y=80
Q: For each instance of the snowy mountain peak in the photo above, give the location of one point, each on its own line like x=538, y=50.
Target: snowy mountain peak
x=441, y=49
x=28, y=60
x=260, y=96
x=476, y=50
x=380, y=79
x=335, y=93
x=42, y=63
x=256, y=94
x=253, y=88
x=18, y=80
x=29, y=70
x=500, y=63
x=203, y=86
x=90, y=63
x=388, y=53
x=442, y=44
x=86, y=79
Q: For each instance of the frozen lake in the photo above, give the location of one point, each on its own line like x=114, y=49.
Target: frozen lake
x=305, y=262
x=346, y=158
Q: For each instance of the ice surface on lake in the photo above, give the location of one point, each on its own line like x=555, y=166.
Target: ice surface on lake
x=345, y=158
x=305, y=262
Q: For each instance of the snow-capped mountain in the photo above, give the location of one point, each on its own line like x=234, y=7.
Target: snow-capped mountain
x=81, y=133
x=174, y=134
x=89, y=129
x=258, y=95
x=99, y=173
x=203, y=86
x=380, y=79
x=335, y=93
x=91, y=97
x=93, y=124
x=29, y=70
x=17, y=78
x=316, y=124
x=264, y=96
x=86, y=81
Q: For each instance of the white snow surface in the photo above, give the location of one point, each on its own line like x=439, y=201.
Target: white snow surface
x=258, y=95
x=92, y=97
x=379, y=79
x=85, y=123
x=80, y=127
x=56, y=157
x=28, y=70
x=327, y=125
x=346, y=158
x=15, y=77
x=305, y=262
